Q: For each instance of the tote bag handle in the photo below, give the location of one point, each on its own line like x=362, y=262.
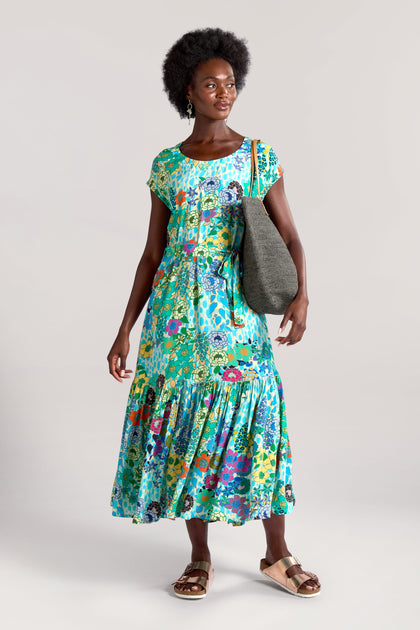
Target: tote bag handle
x=254, y=170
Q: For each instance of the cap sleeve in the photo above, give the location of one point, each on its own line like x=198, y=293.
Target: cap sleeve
x=269, y=168
x=159, y=180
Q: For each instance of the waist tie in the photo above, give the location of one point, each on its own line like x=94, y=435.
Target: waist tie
x=226, y=271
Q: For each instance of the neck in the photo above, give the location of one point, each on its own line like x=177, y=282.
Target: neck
x=208, y=131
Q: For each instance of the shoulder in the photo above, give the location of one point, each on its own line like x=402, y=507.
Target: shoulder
x=267, y=156
x=165, y=157
x=270, y=169
x=265, y=148
x=266, y=153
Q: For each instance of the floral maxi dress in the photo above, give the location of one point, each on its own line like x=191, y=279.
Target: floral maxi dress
x=205, y=433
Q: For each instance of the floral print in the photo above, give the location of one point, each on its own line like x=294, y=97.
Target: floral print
x=205, y=432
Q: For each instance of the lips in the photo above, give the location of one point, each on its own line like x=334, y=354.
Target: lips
x=222, y=105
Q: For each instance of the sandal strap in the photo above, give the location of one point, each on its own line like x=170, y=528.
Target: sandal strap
x=286, y=562
x=297, y=580
x=278, y=569
x=297, y=561
x=192, y=579
x=204, y=565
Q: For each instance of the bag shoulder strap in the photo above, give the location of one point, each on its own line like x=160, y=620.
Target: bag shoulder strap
x=254, y=171
x=254, y=166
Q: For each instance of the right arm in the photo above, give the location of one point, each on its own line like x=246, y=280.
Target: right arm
x=142, y=286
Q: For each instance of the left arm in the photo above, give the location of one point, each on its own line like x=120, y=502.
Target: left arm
x=278, y=208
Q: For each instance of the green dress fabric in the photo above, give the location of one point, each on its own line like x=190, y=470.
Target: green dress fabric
x=205, y=432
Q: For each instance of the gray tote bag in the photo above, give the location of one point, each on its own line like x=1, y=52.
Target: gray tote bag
x=269, y=277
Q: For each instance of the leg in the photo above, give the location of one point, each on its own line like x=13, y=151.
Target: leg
x=198, y=532
x=277, y=548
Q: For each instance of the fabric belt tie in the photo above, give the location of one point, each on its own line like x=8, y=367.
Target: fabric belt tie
x=226, y=270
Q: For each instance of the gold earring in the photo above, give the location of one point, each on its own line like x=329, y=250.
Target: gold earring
x=189, y=111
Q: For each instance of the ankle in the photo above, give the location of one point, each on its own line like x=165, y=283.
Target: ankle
x=200, y=553
x=277, y=551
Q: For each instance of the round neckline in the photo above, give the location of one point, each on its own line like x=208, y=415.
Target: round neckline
x=190, y=159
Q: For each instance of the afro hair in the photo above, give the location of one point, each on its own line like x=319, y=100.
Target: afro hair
x=194, y=48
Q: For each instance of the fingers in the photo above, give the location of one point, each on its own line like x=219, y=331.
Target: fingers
x=294, y=335
x=283, y=323
x=118, y=371
x=123, y=372
x=114, y=368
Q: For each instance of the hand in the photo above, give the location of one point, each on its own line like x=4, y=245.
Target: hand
x=119, y=351
x=296, y=313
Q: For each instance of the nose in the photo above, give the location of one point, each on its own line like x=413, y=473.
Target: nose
x=222, y=91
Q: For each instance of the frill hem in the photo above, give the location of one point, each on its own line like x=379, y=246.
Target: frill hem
x=137, y=520
x=218, y=451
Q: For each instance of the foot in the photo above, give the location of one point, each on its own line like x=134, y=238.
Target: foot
x=307, y=587
x=204, y=555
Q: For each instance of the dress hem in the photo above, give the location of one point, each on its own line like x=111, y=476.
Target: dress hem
x=139, y=521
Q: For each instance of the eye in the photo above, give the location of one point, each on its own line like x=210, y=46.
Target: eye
x=213, y=85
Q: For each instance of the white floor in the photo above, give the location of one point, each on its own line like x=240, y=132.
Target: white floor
x=103, y=572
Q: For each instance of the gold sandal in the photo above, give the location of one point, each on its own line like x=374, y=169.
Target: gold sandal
x=205, y=582
x=277, y=573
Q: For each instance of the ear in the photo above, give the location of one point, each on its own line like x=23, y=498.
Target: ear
x=189, y=90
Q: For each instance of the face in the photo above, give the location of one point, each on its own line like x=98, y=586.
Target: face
x=212, y=89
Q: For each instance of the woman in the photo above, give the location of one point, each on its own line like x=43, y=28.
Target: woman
x=205, y=435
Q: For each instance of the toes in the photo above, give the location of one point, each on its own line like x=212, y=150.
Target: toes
x=190, y=587
x=309, y=586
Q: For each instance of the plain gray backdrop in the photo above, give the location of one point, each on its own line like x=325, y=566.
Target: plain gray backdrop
x=333, y=87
